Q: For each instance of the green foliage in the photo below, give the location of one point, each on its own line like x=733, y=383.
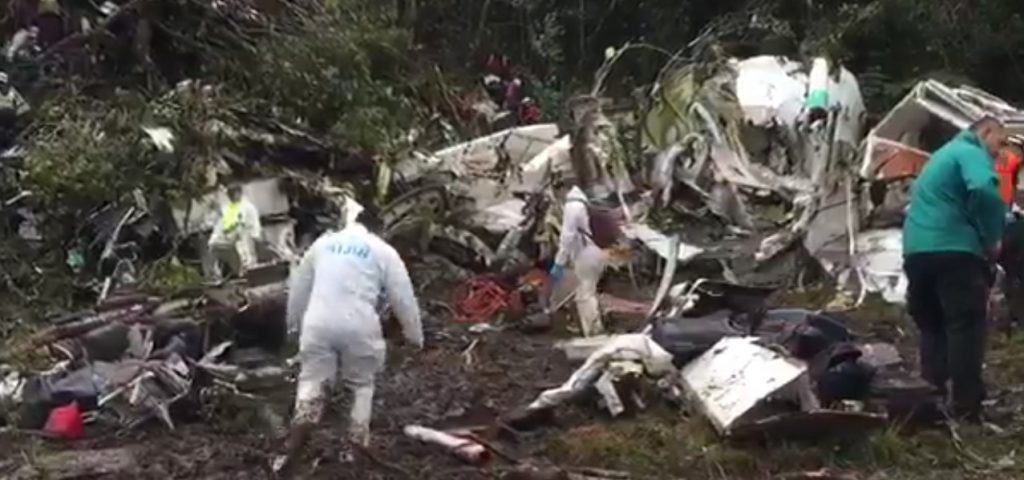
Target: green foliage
x=342, y=71
x=895, y=42
x=86, y=152
x=170, y=276
x=903, y=41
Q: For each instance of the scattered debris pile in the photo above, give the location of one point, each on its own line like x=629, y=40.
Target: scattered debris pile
x=745, y=166
x=749, y=147
x=894, y=152
x=752, y=371
x=134, y=358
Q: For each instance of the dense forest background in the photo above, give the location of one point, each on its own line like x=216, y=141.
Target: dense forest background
x=359, y=62
x=891, y=44
x=379, y=79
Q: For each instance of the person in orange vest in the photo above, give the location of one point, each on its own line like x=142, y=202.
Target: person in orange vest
x=1007, y=169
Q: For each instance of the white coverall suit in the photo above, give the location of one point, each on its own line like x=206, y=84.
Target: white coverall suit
x=589, y=261
x=333, y=297
x=236, y=231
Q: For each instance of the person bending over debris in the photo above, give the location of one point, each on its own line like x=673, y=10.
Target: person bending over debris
x=332, y=300
x=951, y=236
x=235, y=233
x=580, y=245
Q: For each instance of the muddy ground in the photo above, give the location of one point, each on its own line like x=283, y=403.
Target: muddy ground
x=467, y=379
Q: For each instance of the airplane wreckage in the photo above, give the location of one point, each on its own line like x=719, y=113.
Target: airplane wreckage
x=760, y=174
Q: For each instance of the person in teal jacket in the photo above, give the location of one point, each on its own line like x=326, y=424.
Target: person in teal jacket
x=951, y=237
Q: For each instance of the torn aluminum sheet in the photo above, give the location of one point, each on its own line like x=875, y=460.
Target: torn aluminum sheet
x=135, y=390
x=821, y=145
x=481, y=155
x=633, y=348
x=659, y=242
x=764, y=139
x=667, y=275
x=729, y=381
x=773, y=90
x=769, y=89
x=488, y=170
x=876, y=264
x=923, y=121
x=770, y=95
x=131, y=389
x=163, y=384
x=500, y=217
x=406, y=210
x=463, y=247
x=12, y=386
x=492, y=170
x=554, y=159
x=245, y=376
x=879, y=263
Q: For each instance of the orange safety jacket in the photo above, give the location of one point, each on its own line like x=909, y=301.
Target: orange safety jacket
x=1007, y=165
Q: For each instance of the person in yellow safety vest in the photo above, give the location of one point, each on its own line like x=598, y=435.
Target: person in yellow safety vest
x=234, y=235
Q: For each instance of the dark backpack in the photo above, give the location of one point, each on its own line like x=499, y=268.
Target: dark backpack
x=605, y=226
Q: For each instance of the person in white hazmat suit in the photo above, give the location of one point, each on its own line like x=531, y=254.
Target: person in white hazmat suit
x=333, y=300
x=576, y=247
x=234, y=235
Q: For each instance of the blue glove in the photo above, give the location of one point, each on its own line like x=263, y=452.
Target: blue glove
x=555, y=274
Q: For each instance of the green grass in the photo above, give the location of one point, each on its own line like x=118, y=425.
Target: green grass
x=663, y=447
x=665, y=444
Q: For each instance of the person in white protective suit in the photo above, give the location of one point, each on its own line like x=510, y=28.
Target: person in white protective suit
x=333, y=300
x=576, y=247
x=235, y=234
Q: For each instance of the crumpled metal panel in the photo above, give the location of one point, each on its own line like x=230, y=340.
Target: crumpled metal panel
x=879, y=262
x=930, y=100
x=736, y=375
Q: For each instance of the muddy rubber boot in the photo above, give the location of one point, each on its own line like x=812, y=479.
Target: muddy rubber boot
x=359, y=417
x=283, y=466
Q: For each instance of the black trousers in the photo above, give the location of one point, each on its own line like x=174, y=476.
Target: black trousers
x=947, y=297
